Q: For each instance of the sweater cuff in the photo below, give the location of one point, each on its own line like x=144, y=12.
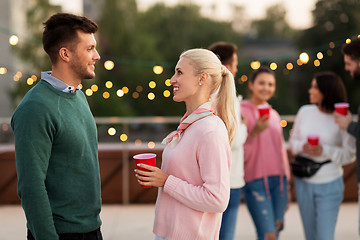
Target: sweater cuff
x=171, y=184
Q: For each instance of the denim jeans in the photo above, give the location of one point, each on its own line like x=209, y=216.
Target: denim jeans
x=228, y=222
x=94, y=235
x=319, y=207
x=265, y=211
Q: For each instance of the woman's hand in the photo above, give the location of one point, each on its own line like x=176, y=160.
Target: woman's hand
x=342, y=121
x=155, y=177
x=260, y=125
x=312, y=150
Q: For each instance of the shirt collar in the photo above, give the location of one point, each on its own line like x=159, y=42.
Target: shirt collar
x=58, y=84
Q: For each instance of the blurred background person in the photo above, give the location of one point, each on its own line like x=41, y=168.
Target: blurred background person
x=265, y=158
x=319, y=196
x=227, y=52
x=194, y=179
x=351, y=54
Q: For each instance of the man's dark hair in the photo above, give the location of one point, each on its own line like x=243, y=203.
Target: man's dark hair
x=352, y=49
x=332, y=89
x=60, y=30
x=224, y=50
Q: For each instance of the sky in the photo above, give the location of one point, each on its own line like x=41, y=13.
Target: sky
x=298, y=11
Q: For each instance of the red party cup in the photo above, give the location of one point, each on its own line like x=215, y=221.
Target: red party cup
x=313, y=140
x=341, y=108
x=264, y=110
x=145, y=158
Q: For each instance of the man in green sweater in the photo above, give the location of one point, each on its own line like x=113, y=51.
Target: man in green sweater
x=56, y=138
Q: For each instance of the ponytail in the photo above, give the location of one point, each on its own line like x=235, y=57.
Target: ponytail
x=224, y=102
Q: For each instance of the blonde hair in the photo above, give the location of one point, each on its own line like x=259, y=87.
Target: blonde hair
x=205, y=61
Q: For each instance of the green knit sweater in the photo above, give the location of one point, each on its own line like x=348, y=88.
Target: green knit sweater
x=57, y=162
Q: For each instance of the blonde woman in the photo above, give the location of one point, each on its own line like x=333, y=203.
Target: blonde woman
x=194, y=177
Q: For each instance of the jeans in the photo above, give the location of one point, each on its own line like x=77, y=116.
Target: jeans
x=94, y=235
x=265, y=212
x=228, y=222
x=319, y=207
x=159, y=238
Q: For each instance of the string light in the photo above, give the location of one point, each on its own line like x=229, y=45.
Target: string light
x=151, y=145
x=13, y=40
x=273, y=66
x=319, y=55
x=111, y=131
x=125, y=90
x=120, y=93
x=332, y=45
x=109, y=84
x=94, y=88
x=167, y=93
x=283, y=123
x=255, y=65
x=167, y=82
x=289, y=66
x=316, y=63
x=158, y=69
x=34, y=78
x=138, y=142
x=106, y=95
x=135, y=95
x=304, y=57
x=348, y=41
x=30, y=81
x=89, y=92
x=151, y=96
x=3, y=70
x=139, y=88
x=109, y=65
x=152, y=84
x=123, y=137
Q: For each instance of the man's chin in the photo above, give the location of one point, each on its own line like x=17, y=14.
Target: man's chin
x=356, y=76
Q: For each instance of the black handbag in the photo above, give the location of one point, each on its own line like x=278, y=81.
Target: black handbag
x=303, y=167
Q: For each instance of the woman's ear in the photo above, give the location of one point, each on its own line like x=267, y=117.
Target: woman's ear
x=203, y=78
x=64, y=54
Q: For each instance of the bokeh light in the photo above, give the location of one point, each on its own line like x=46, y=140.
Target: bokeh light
x=152, y=84
x=135, y=95
x=125, y=90
x=13, y=40
x=138, y=142
x=123, y=137
x=139, y=88
x=255, y=65
x=94, y=88
x=151, y=145
x=316, y=63
x=283, y=123
x=89, y=92
x=120, y=93
x=167, y=93
x=319, y=55
x=3, y=70
x=158, y=69
x=111, y=131
x=109, y=84
x=304, y=57
x=151, y=96
x=30, y=81
x=289, y=66
x=273, y=66
x=167, y=82
x=106, y=95
x=109, y=65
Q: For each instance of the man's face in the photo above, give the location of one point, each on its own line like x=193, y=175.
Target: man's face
x=353, y=66
x=84, y=56
x=233, y=66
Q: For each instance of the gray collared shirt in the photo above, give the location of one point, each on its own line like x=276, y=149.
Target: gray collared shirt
x=58, y=84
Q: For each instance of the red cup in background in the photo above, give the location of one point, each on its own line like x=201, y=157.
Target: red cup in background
x=313, y=140
x=264, y=110
x=145, y=158
x=341, y=108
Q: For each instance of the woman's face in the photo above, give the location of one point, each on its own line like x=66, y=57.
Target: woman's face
x=315, y=96
x=185, y=82
x=263, y=87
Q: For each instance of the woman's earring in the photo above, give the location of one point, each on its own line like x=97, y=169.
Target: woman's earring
x=200, y=84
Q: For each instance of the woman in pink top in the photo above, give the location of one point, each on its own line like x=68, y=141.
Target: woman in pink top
x=194, y=177
x=265, y=159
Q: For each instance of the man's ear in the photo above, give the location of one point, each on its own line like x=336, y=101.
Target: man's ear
x=64, y=54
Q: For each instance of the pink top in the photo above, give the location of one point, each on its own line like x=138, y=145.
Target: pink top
x=191, y=203
x=265, y=155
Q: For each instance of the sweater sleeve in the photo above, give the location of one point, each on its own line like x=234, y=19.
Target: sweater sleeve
x=34, y=132
x=295, y=142
x=354, y=129
x=213, y=194
x=343, y=154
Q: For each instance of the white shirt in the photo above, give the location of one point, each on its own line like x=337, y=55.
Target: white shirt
x=338, y=145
